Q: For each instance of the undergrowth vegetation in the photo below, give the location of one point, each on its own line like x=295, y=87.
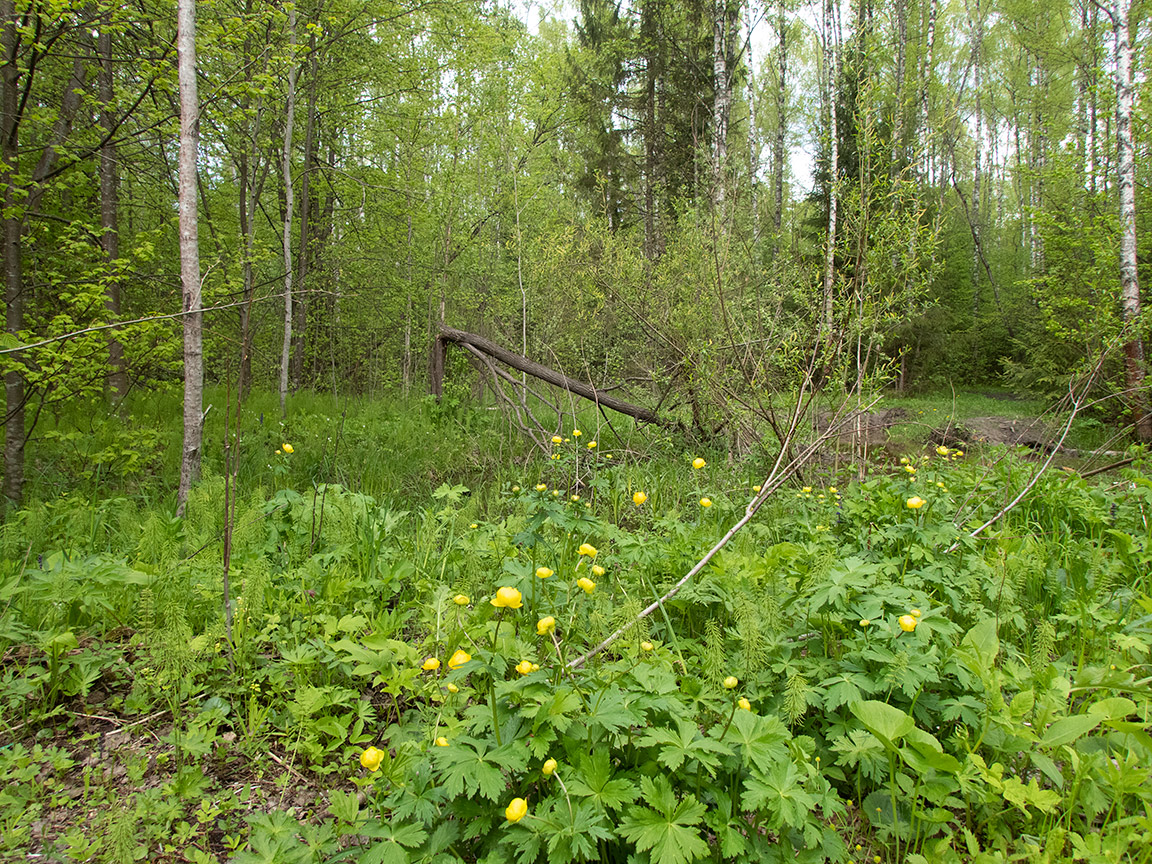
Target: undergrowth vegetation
x=413, y=665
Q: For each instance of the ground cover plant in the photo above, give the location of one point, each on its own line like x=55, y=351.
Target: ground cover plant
x=412, y=668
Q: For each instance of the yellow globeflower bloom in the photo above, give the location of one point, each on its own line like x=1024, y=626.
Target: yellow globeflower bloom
x=371, y=758
x=544, y=572
x=549, y=767
x=517, y=810
x=587, y=584
x=705, y=502
x=639, y=498
x=591, y=445
x=555, y=493
x=731, y=682
x=915, y=613
x=957, y=452
x=907, y=623
x=541, y=487
x=441, y=741
x=698, y=463
x=575, y=498
x=287, y=448
x=452, y=688
x=646, y=646
x=515, y=488
x=524, y=667
x=431, y=664
x=277, y=452
x=506, y=598
x=546, y=625
x=806, y=489
x=459, y=659
x=473, y=526
x=757, y=489
x=942, y=450
x=915, y=502
x=864, y=622
x=556, y=439
x=461, y=600
x=832, y=489
x=744, y=704
x=597, y=570
x=576, y=433
x=911, y=469
x=587, y=549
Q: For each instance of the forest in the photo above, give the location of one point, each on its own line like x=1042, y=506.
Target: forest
x=639, y=432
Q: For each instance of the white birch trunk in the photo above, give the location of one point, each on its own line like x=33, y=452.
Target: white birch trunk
x=189, y=250
x=830, y=83
x=1126, y=180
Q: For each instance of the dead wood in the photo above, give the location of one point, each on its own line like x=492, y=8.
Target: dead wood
x=475, y=343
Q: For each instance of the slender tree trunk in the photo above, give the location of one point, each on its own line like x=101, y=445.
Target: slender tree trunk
x=13, y=277
x=1126, y=180
x=651, y=72
x=721, y=98
x=977, y=157
x=778, y=153
x=899, y=133
x=753, y=131
x=830, y=85
x=109, y=210
x=307, y=221
x=189, y=250
x=925, y=81
x=285, y=353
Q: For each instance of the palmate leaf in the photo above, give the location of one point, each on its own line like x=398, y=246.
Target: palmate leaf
x=596, y=783
x=779, y=792
x=666, y=830
x=685, y=743
x=471, y=769
x=612, y=711
x=763, y=741
x=392, y=840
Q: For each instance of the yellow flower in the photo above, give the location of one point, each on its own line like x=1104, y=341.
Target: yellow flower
x=524, y=667
x=705, y=502
x=555, y=456
x=549, y=767
x=698, y=463
x=915, y=502
x=431, y=664
x=915, y=613
x=277, y=452
x=556, y=439
x=597, y=570
x=473, y=525
x=607, y=455
x=546, y=625
x=591, y=445
x=832, y=489
x=730, y=682
x=544, y=572
x=957, y=452
x=744, y=704
x=461, y=600
x=806, y=489
x=903, y=460
x=911, y=469
x=535, y=667
x=646, y=646
x=287, y=448
x=371, y=758
x=459, y=659
x=587, y=584
x=452, y=688
x=517, y=810
x=864, y=622
x=555, y=493
x=541, y=487
x=441, y=741
x=515, y=488
x=756, y=489
x=587, y=549
x=942, y=450
x=575, y=497
x=639, y=498
x=576, y=433
x=506, y=598
x=907, y=623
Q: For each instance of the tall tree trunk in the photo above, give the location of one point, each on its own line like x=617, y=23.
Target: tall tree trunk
x=285, y=352
x=899, y=113
x=189, y=250
x=830, y=85
x=109, y=210
x=778, y=153
x=1126, y=180
x=306, y=253
x=925, y=80
x=753, y=132
x=651, y=73
x=721, y=97
x=13, y=277
x=977, y=156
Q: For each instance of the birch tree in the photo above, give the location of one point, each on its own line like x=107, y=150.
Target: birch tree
x=290, y=111
x=189, y=250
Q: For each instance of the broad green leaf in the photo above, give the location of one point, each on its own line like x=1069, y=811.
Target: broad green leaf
x=667, y=830
x=885, y=721
x=1068, y=729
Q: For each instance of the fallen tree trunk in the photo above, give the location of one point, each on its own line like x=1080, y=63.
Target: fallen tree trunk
x=536, y=370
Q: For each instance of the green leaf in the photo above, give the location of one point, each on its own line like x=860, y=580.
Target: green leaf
x=686, y=743
x=779, y=792
x=763, y=741
x=979, y=647
x=595, y=781
x=1068, y=729
x=665, y=830
x=885, y=721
